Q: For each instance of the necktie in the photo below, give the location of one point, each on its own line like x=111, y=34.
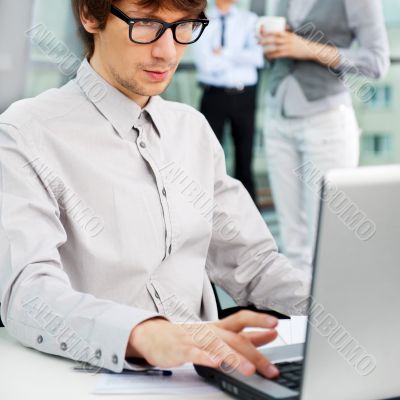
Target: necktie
x=223, y=22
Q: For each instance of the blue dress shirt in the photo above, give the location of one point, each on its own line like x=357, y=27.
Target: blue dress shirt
x=236, y=65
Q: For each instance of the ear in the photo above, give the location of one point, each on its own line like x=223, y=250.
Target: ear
x=89, y=22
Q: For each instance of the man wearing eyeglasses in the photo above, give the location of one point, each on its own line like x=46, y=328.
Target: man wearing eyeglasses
x=116, y=210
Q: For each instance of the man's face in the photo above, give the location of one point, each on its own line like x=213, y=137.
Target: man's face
x=225, y=3
x=138, y=70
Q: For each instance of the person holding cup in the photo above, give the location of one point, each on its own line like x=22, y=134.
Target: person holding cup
x=310, y=123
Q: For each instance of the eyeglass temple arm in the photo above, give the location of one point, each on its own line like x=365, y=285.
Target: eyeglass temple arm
x=118, y=13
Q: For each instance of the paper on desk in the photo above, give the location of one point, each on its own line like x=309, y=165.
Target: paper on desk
x=184, y=381
x=298, y=329
x=290, y=331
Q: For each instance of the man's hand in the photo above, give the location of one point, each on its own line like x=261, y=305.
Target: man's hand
x=290, y=45
x=215, y=344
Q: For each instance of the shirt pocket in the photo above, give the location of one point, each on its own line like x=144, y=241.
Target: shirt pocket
x=140, y=227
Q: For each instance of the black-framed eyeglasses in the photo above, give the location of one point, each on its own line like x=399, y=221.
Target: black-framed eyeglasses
x=149, y=30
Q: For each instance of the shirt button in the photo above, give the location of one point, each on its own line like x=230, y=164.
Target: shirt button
x=39, y=339
x=142, y=145
x=97, y=354
x=164, y=192
x=114, y=359
x=170, y=249
x=63, y=346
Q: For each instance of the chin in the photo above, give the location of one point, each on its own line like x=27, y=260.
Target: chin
x=156, y=89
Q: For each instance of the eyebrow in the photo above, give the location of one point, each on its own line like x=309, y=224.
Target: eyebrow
x=142, y=14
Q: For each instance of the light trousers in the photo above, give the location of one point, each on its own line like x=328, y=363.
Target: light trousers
x=299, y=150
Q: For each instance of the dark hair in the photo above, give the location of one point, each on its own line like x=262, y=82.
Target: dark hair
x=100, y=10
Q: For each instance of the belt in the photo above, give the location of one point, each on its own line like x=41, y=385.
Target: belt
x=235, y=90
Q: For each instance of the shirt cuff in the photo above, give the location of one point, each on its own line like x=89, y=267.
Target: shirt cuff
x=346, y=61
x=111, y=335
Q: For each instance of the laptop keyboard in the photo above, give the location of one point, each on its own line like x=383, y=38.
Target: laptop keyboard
x=291, y=373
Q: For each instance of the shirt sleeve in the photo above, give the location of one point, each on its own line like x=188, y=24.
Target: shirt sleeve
x=252, y=53
x=243, y=257
x=206, y=61
x=371, y=56
x=39, y=307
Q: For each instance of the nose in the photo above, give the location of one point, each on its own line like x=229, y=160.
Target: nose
x=165, y=47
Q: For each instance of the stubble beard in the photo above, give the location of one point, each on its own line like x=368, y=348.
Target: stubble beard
x=135, y=87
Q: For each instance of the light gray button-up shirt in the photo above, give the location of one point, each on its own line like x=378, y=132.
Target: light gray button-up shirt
x=111, y=215
x=369, y=58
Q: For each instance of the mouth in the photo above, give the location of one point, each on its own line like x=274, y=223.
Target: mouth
x=157, y=76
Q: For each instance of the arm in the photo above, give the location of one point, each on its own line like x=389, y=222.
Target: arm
x=291, y=45
x=243, y=258
x=370, y=58
x=252, y=53
x=208, y=59
x=39, y=306
x=214, y=60
x=43, y=311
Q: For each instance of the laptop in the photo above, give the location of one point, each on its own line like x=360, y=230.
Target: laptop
x=352, y=348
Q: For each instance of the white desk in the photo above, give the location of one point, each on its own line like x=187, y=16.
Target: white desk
x=27, y=374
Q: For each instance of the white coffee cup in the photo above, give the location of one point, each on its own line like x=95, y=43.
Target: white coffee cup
x=270, y=25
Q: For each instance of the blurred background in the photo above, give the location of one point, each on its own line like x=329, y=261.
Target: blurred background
x=26, y=70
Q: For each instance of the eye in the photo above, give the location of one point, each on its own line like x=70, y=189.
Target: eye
x=186, y=26
x=196, y=26
x=148, y=24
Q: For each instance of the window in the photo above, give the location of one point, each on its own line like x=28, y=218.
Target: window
x=52, y=38
x=381, y=97
x=57, y=18
x=377, y=148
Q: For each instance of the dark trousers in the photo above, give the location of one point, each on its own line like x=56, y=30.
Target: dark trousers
x=221, y=105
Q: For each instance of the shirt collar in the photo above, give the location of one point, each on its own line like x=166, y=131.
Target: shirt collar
x=216, y=13
x=122, y=112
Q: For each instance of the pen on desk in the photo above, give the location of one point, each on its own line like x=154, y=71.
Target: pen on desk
x=148, y=372
x=159, y=372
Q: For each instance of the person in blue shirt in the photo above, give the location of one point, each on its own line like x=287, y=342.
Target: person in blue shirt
x=227, y=58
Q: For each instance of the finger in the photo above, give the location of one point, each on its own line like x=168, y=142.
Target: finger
x=275, y=41
x=202, y=357
x=266, y=34
x=242, y=319
x=277, y=54
x=267, y=41
x=281, y=40
x=274, y=54
x=279, y=35
x=247, y=350
x=281, y=50
x=270, y=49
x=260, y=338
x=232, y=360
x=238, y=353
